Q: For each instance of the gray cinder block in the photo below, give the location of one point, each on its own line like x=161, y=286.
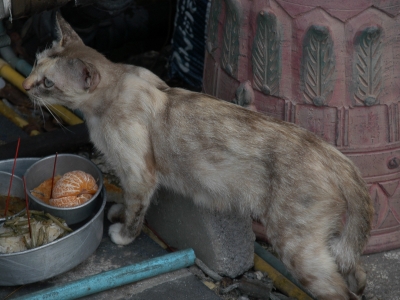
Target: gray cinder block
x=222, y=240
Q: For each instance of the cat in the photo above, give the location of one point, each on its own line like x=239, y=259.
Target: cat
x=311, y=198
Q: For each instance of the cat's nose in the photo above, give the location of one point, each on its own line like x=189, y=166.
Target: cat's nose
x=26, y=85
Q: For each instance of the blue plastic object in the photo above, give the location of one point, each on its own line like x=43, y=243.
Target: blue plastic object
x=114, y=278
x=8, y=55
x=188, y=41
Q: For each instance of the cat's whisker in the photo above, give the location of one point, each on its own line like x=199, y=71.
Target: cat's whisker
x=47, y=106
x=42, y=113
x=42, y=103
x=63, y=127
x=37, y=106
x=56, y=116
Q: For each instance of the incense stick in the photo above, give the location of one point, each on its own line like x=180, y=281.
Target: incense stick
x=11, y=179
x=27, y=208
x=52, y=178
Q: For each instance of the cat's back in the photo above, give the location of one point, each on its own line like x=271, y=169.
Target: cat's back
x=187, y=111
x=149, y=77
x=197, y=123
x=131, y=94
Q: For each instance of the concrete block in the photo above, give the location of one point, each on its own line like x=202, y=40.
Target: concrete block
x=222, y=240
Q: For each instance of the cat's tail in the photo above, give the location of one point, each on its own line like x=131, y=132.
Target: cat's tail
x=348, y=246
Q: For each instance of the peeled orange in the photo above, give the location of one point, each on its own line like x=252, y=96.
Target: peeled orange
x=44, y=189
x=70, y=201
x=73, y=188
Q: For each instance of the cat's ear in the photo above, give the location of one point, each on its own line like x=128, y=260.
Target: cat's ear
x=65, y=33
x=89, y=75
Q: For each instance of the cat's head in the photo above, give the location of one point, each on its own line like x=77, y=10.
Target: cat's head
x=65, y=73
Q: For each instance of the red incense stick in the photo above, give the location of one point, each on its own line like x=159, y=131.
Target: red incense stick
x=52, y=178
x=27, y=208
x=11, y=179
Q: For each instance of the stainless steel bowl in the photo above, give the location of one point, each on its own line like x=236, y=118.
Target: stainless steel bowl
x=21, y=166
x=58, y=256
x=17, y=188
x=43, y=170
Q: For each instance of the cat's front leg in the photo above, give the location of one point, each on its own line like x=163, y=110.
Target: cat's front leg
x=130, y=217
x=116, y=213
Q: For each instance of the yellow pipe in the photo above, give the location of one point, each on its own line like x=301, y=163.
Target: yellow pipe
x=151, y=234
x=15, y=118
x=280, y=281
x=9, y=74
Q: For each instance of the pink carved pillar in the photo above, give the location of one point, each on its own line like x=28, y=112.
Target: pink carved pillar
x=332, y=67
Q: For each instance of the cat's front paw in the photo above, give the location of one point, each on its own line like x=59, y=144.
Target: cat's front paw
x=116, y=213
x=115, y=234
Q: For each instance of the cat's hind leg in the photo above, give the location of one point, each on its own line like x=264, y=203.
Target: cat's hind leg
x=356, y=279
x=313, y=265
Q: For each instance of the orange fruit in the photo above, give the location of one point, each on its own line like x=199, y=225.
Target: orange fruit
x=70, y=201
x=74, y=183
x=72, y=189
x=43, y=190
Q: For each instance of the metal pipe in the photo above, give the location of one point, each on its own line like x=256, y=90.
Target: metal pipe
x=15, y=9
x=5, y=8
x=15, y=118
x=16, y=79
x=8, y=55
x=19, y=64
x=114, y=278
x=283, y=280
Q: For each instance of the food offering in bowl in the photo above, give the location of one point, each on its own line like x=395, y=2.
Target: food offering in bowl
x=22, y=233
x=46, y=260
x=17, y=231
x=16, y=200
x=69, y=190
x=57, y=251
x=77, y=183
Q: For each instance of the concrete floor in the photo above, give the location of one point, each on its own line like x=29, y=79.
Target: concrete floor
x=383, y=281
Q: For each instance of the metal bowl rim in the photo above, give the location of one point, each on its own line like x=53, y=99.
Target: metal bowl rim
x=100, y=185
x=104, y=199
x=8, y=173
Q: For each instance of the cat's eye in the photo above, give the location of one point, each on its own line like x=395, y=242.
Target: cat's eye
x=47, y=83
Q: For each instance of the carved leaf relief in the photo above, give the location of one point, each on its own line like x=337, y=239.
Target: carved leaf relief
x=244, y=95
x=318, y=66
x=212, y=35
x=380, y=200
x=230, y=45
x=266, y=55
x=368, y=67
